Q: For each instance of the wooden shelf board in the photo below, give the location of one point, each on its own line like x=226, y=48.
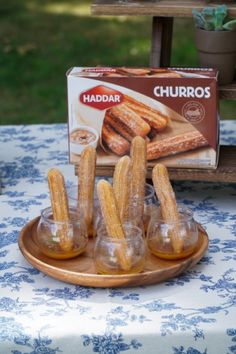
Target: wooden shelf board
x=225, y=172
x=228, y=92
x=163, y=8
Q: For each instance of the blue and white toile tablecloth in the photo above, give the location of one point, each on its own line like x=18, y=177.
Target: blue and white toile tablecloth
x=192, y=314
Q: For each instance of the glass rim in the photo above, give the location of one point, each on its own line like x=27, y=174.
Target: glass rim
x=46, y=213
x=151, y=192
x=74, y=188
x=186, y=212
x=102, y=229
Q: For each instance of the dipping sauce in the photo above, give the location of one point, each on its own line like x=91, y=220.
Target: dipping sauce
x=82, y=137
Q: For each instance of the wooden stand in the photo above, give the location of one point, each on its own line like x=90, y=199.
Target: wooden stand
x=225, y=172
x=163, y=13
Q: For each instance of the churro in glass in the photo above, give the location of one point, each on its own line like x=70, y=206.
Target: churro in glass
x=172, y=231
x=49, y=233
x=138, y=154
x=159, y=235
x=108, y=248
x=121, y=185
x=86, y=180
x=60, y=208
x=112, y=222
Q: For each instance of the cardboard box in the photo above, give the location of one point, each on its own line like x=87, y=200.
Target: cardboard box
x=176, y=110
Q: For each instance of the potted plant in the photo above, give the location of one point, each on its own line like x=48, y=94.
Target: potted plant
x=215, y=36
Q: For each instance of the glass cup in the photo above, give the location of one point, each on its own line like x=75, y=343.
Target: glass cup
x=119, y=256
x=97, y=214
x=148, y=205
x=73, y=201
x=61, y=240
x=173, y=240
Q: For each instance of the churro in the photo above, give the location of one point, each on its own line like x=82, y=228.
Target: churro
x=118, y=126
x=121, y=185
x=175, y=144
x=168, y=204
x=129, y=123
x=114, y=141
x=138, y=177
x=86, y=174
x=112, y=220
x=153, y=117
x=60, y=209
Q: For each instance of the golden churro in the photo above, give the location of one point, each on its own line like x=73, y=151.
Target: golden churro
x=175, y=144
x=138, y=154
x=153, y=117
x=112, y=220
x=86, y=174
x=121, y=185
x=168, y=204
x=129, y=123
x=118, y=126
x=114, y=141
x=60, y=209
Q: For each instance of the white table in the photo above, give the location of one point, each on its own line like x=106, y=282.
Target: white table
x=192, y=314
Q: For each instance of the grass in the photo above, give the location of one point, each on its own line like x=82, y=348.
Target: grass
x=40, y=41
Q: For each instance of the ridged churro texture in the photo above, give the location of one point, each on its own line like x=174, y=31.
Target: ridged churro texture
x=153, y=117
x=59, y=203
x=114, y=141
x=109, y=209
x=138, y=154
x=176, y=144
x=112, y=220
x=118, y=126
x=86, y=175
x=129, y=122
x=121, y=185
x=168, y=204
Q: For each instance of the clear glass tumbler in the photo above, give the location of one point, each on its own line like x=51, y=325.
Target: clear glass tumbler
x=148, y=205
x=120, y=256
x=173, y=240
x=73, y=201
x=61, y=240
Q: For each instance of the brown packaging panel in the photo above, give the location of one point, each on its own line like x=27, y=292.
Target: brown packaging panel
x=174, y=110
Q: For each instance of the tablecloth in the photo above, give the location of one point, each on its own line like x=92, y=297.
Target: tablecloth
x=194, y=313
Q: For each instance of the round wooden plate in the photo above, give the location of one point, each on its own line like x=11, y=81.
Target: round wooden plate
x=81, y=271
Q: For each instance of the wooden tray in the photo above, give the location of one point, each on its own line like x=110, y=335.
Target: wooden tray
x=81, y=270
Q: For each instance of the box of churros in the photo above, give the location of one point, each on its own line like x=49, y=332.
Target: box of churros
x=174, y=109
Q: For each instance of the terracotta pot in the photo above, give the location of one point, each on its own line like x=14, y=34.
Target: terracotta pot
x=217, y=49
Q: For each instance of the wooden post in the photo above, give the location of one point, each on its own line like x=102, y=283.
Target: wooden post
x=162, y=28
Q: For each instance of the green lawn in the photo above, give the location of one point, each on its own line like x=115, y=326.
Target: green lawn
x=41, y=40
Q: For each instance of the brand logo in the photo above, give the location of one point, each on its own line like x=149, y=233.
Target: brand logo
x=193, y=111
x=182, y=91
x=101, y=97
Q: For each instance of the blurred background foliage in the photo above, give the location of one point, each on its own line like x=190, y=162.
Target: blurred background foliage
x=41, y=40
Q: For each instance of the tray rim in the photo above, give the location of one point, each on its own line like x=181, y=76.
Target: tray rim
x=88, y=279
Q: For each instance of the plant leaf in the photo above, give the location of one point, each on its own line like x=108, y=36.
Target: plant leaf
x=230, y=26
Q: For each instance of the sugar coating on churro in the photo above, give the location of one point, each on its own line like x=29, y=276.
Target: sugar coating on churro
x=59, y=203
x=112, y=220
x=114, y=141
x=138, y=153
x=153, y=117
x=86, y=175
x=121, y=185
x=168, y=204
x=175, y=144
x=131, y=121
